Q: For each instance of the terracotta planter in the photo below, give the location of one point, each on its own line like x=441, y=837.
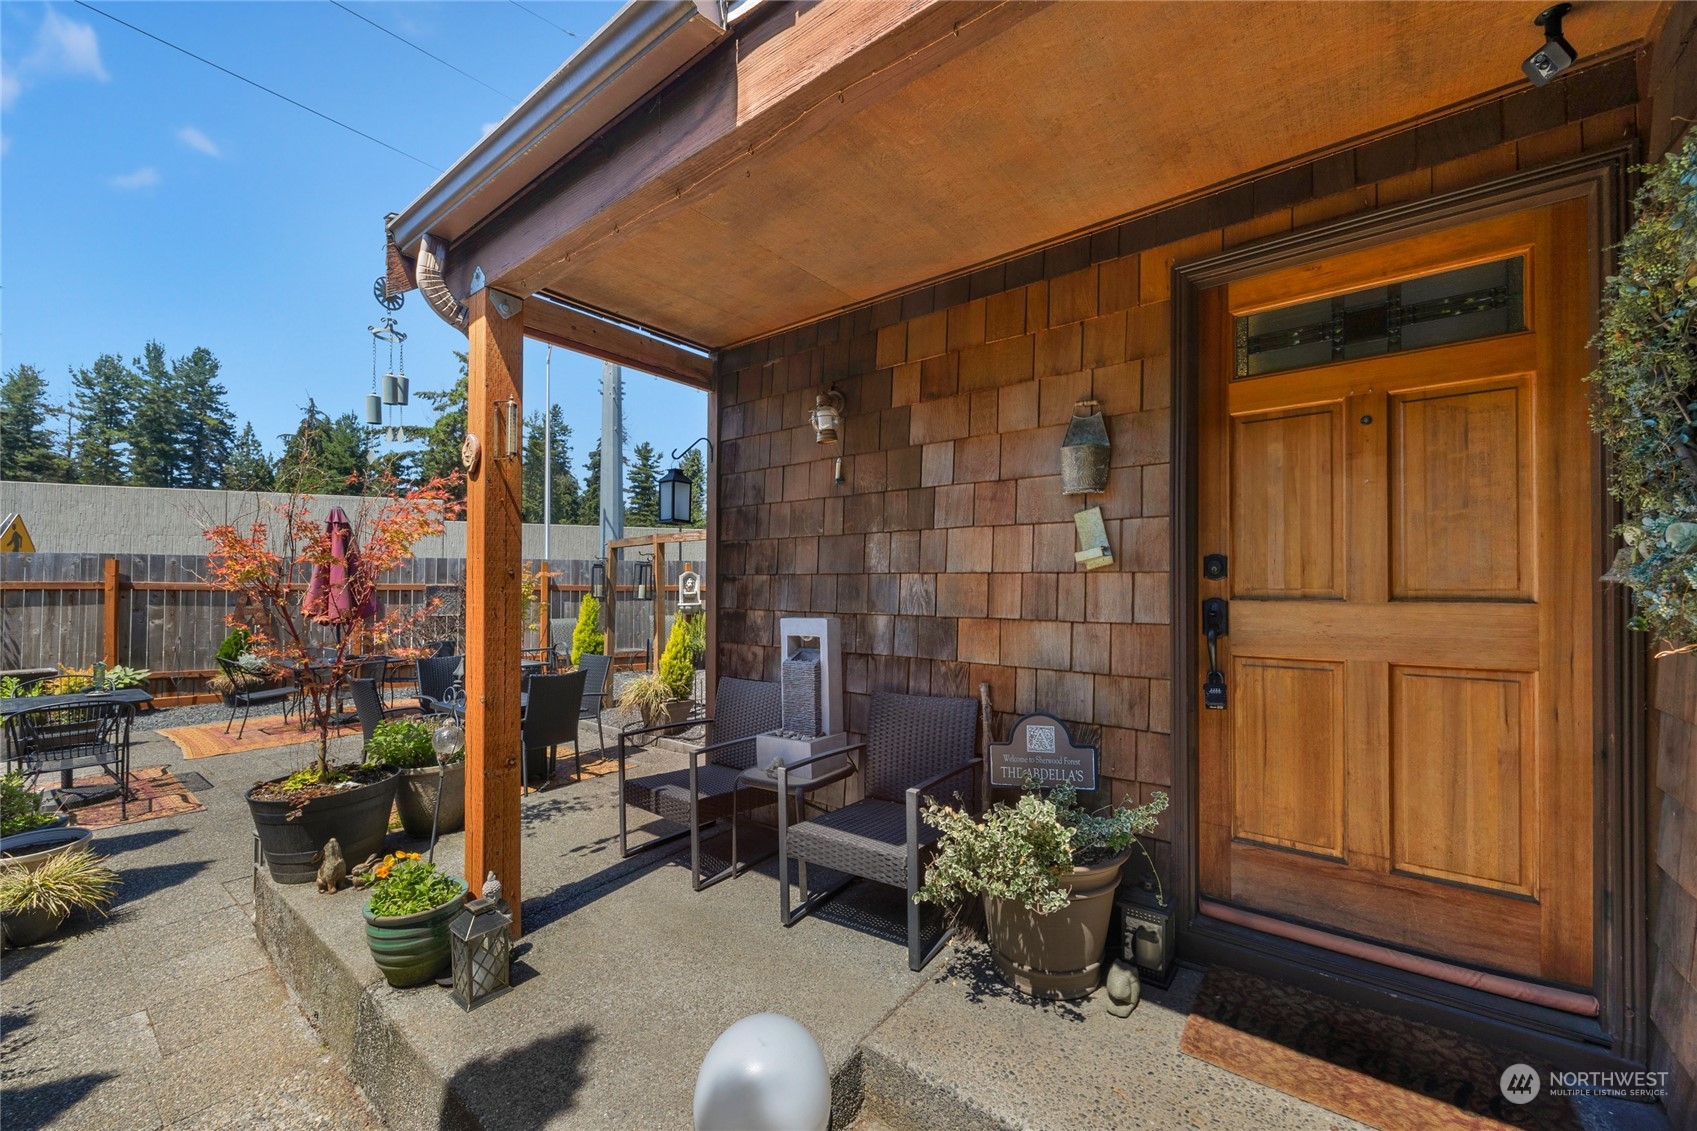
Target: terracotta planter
x=1058, y=956
x=358, y=818
x=26, y=928
x=415, y=797
x=36, y=847
x=412, y=949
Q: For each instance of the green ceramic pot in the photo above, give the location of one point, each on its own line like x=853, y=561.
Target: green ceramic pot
x=412, y=949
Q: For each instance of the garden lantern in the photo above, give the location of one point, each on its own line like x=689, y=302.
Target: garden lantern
x=644, y=580
x=480, y=946
x=598, y=581
x=675, y=491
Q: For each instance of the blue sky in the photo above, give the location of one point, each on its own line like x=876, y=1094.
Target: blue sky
x=146, y=195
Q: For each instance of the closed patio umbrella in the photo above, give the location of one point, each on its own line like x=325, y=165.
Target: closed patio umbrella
x=330, y=596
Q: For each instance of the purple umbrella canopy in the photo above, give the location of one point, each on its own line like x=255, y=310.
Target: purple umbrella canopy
x=330, y=598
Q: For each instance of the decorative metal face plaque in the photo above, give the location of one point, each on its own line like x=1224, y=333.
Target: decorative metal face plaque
x=1041, y=747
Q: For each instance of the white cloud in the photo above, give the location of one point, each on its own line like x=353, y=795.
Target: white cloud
x=145, y=177
x=198, y=141
x=62, y=48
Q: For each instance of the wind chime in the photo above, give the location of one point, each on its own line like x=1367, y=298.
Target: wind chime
x=393, y=383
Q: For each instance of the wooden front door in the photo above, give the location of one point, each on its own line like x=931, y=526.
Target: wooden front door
x=1395, y=462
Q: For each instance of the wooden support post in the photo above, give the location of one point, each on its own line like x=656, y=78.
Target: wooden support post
x=109, y=612
x=659, y=601
x=493, y=638
x=608, y=609
x=545, y=608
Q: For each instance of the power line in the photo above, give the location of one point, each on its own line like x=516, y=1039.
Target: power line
x=422, y=51
x=540, y=16
x=258, y=86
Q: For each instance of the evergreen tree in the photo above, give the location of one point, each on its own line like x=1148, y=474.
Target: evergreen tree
x=248, y=467
x=642, y=503
x=205, y=427
x=325, y=456
x=564, y=500
x=693, y=465
x=102, y=404
x=589, y=499
x=26, y=442
x=442, y=439
x=155, y=431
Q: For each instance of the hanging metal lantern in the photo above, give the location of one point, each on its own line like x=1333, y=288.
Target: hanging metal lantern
x=644, y=580
x=676, y=490
x=480, y=947
x=598, y=581
x=1085, y=453
x=689, y=591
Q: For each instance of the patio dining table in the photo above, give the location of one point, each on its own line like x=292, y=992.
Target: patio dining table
x=132, y=696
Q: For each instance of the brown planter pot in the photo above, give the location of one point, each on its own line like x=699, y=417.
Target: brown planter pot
x=415, y=798
x=1058, y=956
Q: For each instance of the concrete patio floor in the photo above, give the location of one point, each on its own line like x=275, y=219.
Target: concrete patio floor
x=169, y=1014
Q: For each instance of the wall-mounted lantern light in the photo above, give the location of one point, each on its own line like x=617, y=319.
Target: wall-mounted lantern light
x=677, y=490
x=827, y=421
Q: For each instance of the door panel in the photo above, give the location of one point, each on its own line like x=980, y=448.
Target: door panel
x=1406, y=749
x=1287, y=513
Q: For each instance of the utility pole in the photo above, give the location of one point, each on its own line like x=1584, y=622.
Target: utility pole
x=612, y=456
x=547, y=450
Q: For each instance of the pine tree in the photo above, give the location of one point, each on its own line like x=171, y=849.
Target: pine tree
x=564, y=500
x=102, y=406
x=695, y=467
x=248, y=467
x=642, y=505
x=589, y=499
x=325, y=456
x=443, y=437
x=26, y=441
x=205, y=427
x=155, y=432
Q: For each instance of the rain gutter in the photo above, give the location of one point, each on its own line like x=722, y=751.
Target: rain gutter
x=643, y=45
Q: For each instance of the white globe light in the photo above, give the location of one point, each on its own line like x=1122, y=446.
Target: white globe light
x=764, y=1073
x=448, y=740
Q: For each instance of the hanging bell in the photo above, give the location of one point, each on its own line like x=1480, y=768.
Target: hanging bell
x=390, y=392
x=373, y=409
x=1085, y=452
x=401, y=386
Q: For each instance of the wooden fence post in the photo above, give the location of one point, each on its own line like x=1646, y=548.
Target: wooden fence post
x=109, y=612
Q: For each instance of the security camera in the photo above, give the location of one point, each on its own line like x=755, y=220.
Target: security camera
x=1557, y=54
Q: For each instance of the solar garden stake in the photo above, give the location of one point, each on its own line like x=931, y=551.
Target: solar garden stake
x=448, y=740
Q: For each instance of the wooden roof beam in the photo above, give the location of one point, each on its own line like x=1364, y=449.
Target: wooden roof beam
x=579, y=330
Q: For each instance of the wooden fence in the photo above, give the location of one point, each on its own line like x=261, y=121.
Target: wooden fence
x=160, y=612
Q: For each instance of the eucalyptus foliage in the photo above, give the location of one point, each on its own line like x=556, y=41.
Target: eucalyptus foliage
x=1018, y=852
x=1644, y=403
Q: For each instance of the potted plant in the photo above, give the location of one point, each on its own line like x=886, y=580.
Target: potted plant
x=405, y=744
x=406, y=919
x=35, y=902
x=1046, y=869
x=322, y=574
x=30, y=837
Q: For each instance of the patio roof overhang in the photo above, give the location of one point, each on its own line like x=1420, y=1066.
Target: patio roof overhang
x=824, y=155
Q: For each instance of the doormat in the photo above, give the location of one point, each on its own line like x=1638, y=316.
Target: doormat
x=157, y=794
x=209, y=740
x=1385, y=1072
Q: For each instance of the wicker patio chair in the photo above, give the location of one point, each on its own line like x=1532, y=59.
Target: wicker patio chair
x=915, y=745
x=435, y=681
x=706, y=791
x=368, y=701
x=73, y=736
x=598, y=671
x=550, y=718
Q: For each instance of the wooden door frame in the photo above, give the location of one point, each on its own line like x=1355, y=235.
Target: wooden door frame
x=1620, y=1036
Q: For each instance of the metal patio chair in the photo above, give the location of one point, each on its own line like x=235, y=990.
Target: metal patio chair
x=246, y=696
x=551, y=714
x=915, y=745
x=706, y=791
x=73, y=736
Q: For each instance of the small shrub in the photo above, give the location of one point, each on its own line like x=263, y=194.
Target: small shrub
x=402, y=742
x=695, y=627
x=20, y=807
x=235, y=644
x=587, y=637
x=644, y=697
x=677, y=664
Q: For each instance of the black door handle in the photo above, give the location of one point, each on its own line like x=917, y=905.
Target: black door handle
x=1216, y=622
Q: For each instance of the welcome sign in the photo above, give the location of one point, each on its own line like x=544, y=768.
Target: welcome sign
x=1040, y=747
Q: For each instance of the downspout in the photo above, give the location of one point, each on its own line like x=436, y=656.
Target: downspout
x=427, y=269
